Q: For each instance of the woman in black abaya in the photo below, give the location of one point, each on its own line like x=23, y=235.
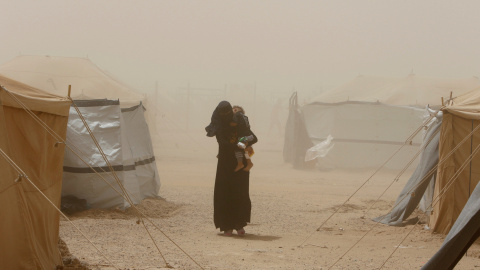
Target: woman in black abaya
x=231, y=202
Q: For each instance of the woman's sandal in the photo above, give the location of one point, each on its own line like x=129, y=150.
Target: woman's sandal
x=241, y=232
x=228, y=233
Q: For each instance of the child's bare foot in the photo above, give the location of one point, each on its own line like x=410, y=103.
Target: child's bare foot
x=249, y=166
x=239, y=167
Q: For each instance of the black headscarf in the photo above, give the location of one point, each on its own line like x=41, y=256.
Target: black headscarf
x=221, y=118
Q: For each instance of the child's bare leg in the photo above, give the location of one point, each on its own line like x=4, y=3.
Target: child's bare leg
x=239, y=166
x=249, y=162
x=239, y=156
x=249, y=165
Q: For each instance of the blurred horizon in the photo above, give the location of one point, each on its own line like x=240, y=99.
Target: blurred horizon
x=309, y=46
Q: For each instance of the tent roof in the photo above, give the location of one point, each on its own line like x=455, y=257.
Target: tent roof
x=54, y=74
x=410, y=90
x=466, y=105
x=35, y=99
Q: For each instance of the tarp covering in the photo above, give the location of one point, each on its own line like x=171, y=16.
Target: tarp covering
x=29, y=223
x=371, y=117
x=365, y=134
x=421, y=178
x=458, y=209
x=463, y=234
x=54, y=74
x=123, y=136
x=138, y=152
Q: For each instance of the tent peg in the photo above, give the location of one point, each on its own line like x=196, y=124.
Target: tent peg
x=57, y=143
x=19, y=178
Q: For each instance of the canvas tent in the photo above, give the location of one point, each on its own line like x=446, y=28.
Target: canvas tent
x=461, y=117
x=54, y=74
x=370, y=118
x=29, y=223
x=456, y=195
x=458, y=209
x=116, y=115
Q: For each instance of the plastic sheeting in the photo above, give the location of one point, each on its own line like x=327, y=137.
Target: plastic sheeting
x=420, y=180
x=462, y=235
x=320, y=150
x=125, y=140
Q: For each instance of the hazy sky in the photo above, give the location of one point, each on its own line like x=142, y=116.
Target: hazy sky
x=279, y=43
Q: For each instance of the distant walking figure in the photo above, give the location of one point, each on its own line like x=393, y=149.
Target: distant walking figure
x=231, y=199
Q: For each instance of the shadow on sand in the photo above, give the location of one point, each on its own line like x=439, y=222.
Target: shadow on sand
x=250, y=236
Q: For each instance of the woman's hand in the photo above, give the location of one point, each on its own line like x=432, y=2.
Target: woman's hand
x=249, y=150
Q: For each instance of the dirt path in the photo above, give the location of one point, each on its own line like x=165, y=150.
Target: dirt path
x=288, y=206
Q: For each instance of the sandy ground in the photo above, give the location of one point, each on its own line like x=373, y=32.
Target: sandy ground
x=287, y=207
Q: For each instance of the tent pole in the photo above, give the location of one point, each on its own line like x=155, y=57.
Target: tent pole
x=470, y=176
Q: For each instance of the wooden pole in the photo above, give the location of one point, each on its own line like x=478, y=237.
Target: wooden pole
x=69, y=90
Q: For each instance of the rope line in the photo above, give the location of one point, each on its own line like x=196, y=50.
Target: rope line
x=438, y=197
x=376, y=171
x=59, y=139
x=22, y=174
x=426, y=177
x=116, y=177
x=402, y=171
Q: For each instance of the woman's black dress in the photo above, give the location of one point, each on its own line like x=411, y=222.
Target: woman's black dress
x=232, y=206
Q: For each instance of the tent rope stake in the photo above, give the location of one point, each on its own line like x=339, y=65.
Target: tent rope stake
x=116, y=177
x=426, y=177
x=141, y=216
x=23, y=175
x=374, y=173
x=439, y=196
x=57, y=137
x=402, y=172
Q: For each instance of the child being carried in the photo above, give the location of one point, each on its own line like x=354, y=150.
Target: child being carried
x=245, y=138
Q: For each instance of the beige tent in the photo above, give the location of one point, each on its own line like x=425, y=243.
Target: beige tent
x=370, y=117
x=116, y=115
x=29, y=223
x=53, y=74
x=459, y=119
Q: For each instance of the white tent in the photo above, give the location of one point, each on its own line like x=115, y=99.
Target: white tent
x=370, y=118
x=116, y=116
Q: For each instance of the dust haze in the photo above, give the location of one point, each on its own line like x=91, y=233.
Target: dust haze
x=187, y=56
x=262, y=50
